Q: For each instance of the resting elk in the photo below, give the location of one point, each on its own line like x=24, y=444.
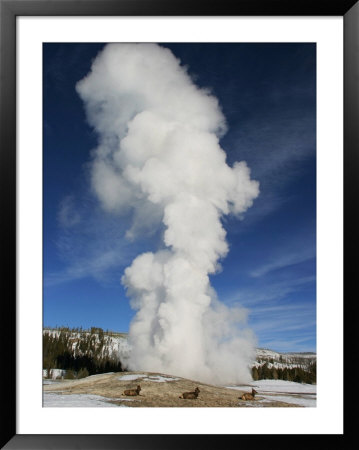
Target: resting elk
x=132, y=392
x=249, y=395
x=191, y=395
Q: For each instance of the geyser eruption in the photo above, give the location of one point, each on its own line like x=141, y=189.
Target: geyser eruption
x=159, y=154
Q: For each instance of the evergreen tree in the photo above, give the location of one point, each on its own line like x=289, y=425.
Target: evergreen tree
x=67, y=351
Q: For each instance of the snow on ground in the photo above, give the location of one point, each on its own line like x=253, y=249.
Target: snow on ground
x=295, y=393
x=100, y=374
x=301, y=401
x=159, y=379
x=76, y=400
x=268, y=390
x=131, y=377
x=279, y=386
x=156, y=378
x=284, y=386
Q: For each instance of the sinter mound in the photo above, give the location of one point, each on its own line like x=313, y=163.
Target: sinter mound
x=157, y=390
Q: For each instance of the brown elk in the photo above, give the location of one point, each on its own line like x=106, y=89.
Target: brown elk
x=248, y=395
x=132, y=392
x=191, y=395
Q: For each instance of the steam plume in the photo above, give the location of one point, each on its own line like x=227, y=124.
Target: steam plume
x=159, y=154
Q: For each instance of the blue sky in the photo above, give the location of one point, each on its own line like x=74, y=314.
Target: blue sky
x=267, y=93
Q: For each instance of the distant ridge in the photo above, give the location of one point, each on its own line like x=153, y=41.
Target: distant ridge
x=113, y=346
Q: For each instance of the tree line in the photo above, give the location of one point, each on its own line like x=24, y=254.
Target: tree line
x=85, y=352
x=83, y=355
x=297, y=374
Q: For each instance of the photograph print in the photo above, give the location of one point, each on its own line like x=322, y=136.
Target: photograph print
x=179, y=225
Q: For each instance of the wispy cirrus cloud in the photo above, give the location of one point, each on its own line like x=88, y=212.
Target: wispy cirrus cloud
x=96, y=266
x=266, y=292
x=68, y=215
x=280, y=313
x=286, y=326
x=282, y=323
x=284, y=260
x=90, y=243
x=295, y=344
x=277, y=151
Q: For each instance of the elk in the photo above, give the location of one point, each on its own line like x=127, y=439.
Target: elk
x=248, y=395
x=191, y=395
x=132, y=392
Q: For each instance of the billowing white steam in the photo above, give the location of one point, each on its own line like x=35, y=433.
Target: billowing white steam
x=159, y=153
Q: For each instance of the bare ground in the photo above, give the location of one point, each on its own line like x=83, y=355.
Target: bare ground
x=158, y=394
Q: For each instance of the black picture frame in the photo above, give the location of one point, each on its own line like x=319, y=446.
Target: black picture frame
x=9, y=10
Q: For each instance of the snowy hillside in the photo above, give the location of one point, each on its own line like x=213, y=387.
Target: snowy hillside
x=112, y=344
x=284, y=360
x=115, y=345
